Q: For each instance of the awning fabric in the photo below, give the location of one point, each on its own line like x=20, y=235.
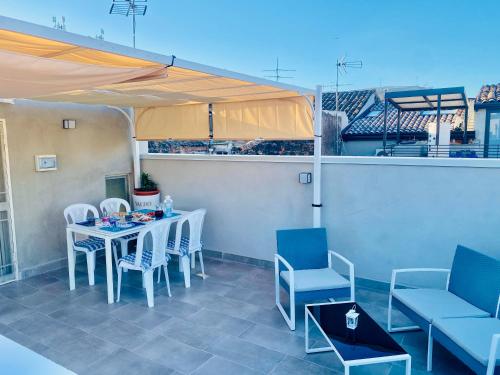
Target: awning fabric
x=289, y=118
x=25, y=76
x=187, y=122
x=170, y=95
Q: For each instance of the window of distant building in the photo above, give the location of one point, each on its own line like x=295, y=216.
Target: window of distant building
x=374, y=113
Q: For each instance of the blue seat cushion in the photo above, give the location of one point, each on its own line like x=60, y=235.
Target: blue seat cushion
x=89, y=244
x=433, y=304
x=473, y=335
x=316, y=279
x=184, y=248
x=147, y=256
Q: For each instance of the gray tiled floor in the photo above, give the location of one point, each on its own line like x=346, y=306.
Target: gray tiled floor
x=226, y=324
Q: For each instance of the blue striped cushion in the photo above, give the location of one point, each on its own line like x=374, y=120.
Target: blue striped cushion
x=147, y=256
x=90, y=244
x=184, y=248
x=130, y=236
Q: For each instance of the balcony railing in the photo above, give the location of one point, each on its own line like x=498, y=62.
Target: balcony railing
x=449, y=151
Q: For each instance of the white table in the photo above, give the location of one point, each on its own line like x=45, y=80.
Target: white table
x=16, y=359
x=107, y=236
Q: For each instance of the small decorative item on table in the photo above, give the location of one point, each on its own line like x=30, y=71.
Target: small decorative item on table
x=351, y=318
x=128, y=218
x=351, y=322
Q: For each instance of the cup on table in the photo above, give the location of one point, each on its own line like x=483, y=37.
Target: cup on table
x=158, y=214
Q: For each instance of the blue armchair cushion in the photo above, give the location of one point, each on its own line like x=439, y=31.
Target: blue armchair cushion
x=433, y=304
x=472, y=335
x=316, y=279
x=475, y=277
x=303, y=248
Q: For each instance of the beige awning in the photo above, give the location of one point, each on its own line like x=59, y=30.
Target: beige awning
x=170, y=95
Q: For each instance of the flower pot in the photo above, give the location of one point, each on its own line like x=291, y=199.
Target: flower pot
x=146, y=199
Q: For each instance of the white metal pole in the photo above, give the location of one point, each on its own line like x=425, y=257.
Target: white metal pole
x=318, y=110
x=136, y=154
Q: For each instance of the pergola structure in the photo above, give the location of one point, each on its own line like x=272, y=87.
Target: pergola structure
x=426, y=100
x=167, y=97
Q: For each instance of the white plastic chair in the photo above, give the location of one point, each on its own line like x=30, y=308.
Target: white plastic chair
x=149, y=256
x=185, y=247
x=111, y=205
x=76, y=213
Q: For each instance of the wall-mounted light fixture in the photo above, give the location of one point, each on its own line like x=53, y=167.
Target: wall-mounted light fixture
x=69, y=124
x=305, y=177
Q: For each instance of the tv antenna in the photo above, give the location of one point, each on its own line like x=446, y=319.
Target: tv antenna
x=277, y=71
x=129, y=8
x=343, y=66
x=100, y=36
x=59, y=25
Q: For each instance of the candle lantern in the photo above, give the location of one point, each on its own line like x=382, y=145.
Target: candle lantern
x=351, y=318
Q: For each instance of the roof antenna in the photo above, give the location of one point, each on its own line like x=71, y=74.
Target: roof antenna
x=127, y=8
x=59, y=25
x=342, y=66
x=277, y=71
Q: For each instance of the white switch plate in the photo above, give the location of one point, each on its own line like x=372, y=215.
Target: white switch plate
x=45, y=163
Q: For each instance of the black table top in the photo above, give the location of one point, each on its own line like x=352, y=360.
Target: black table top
x=368, y=340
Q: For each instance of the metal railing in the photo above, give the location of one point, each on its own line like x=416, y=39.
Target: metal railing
x=473, y=151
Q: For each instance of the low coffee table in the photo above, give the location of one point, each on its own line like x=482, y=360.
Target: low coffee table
x=367, y=344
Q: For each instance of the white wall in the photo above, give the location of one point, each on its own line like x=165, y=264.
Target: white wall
x=246, y=201
x=99, y=146
x=382, y=213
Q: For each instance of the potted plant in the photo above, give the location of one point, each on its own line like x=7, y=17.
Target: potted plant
x=148, y=195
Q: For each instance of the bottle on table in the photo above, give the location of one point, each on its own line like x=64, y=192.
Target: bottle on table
x=168, y=206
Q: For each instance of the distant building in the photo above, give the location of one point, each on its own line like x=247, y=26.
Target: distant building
x=363, y=135
x=487, y=119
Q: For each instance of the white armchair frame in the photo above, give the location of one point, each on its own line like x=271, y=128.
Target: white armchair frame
x=492, y=359
x=332, y=254
x=290, y=318
x=415, y=327
x=393, y=286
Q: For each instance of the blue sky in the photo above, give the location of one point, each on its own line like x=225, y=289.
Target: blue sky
x=419, y=42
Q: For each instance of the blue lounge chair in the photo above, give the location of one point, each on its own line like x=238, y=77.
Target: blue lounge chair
x=303, y=268
x=472, y=292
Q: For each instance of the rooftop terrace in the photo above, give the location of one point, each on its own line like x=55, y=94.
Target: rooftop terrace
x=226, y=324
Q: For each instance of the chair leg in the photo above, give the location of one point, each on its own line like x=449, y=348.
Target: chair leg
x=91, y=266
x=159, y=275
x=202, y=266
x=119, y=284
x=430, y=344
x=186, y=270
x=115, y=254
x=193, y=261
x=289, y=319
x=165, y=269
x=148, y=278
x=124, y=250
x=390, y=328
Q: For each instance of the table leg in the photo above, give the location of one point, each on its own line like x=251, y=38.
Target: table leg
x=71, y=258
x=408, y=366
x=109, y=270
